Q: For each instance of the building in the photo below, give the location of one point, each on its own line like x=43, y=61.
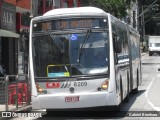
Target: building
x=14, y=24
x=39, y=7
x=8, y=38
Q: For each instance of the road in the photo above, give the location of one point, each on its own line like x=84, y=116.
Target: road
x=147, y=99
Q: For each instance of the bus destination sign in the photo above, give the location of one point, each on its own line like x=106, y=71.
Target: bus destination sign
x=74, y=24
x=70, y=24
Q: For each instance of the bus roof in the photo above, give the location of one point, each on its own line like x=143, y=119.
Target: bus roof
x=73, y=11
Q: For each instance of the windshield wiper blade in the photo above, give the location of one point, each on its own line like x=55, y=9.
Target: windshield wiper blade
x=83, y=45
x=57, y=43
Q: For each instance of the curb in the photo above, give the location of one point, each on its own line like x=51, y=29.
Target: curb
x=142, y=54
x=25, y=108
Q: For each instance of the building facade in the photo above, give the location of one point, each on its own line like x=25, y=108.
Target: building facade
x=39, y=7
x=14, y=24
x=8, y=38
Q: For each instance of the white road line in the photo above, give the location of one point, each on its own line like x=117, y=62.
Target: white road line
x=148, y=100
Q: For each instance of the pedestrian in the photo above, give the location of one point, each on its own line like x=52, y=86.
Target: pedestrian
x=2, y=71
x=2, y=74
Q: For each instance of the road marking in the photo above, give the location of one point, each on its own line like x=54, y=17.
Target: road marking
x=148, y=100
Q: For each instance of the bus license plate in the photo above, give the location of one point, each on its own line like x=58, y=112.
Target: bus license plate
x=72, y=99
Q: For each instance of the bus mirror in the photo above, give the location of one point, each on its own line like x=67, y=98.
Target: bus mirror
x=117, y=43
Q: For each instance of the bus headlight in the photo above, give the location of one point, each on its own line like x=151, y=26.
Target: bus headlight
x=104, y=86
x=40, y=89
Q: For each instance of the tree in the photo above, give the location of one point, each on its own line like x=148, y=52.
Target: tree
x=117, y=8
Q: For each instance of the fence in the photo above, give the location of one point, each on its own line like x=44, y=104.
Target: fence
x=14, y=92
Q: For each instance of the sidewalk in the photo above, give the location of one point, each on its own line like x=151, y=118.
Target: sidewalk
x=13, y=107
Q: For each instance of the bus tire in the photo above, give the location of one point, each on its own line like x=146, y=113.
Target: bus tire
x=117, y=108
x=150, y=53
x=121, y=90
x=49, y=112
x=135, y=91
x=126, y=100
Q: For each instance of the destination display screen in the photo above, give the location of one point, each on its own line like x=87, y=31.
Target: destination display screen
x=63, y=24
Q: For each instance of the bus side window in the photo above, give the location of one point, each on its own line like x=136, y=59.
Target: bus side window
x=117, y=43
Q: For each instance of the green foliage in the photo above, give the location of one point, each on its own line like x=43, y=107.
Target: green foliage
x=115, y=7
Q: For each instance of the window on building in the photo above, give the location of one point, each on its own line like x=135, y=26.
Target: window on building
x=57, y=3
x=25, y=20
x=84, y=2
x=75, y=4
x=65, y=4
x=40, y=6
x=49, y=3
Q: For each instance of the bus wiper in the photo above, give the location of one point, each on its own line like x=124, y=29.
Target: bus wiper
x=83, y=45
x=57, y=43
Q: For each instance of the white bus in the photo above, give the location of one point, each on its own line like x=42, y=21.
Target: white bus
x=82, y=58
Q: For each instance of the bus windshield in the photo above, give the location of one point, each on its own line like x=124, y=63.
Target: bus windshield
x=70, y=52
x=57, y=55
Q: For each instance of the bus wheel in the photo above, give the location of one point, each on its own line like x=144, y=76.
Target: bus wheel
x=135, y=91
x=126, y=100
x=118, y=107
x=150, y=53
x=49, y=112
x=121, y=90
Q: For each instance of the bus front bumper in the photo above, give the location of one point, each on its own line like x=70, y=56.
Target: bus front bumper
x=65, y=101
